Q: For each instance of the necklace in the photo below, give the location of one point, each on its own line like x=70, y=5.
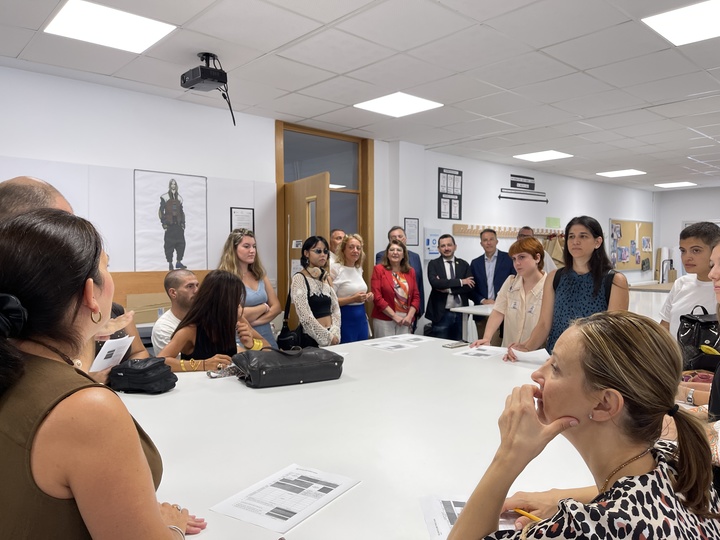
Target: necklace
x=628, y=462
x=76, y=363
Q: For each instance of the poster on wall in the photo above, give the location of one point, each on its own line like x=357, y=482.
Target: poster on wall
x=449, y=193
x=170, y=221
x=242, y=218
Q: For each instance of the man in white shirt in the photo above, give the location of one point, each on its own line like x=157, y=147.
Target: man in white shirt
x=694, y=288
x=336, y=238
x=181, y=286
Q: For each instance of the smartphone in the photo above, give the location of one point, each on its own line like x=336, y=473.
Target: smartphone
x=455, y=344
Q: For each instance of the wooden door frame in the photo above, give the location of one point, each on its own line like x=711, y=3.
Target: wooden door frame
x=366, y=215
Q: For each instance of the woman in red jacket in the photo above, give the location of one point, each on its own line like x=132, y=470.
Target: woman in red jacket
x=395, y=292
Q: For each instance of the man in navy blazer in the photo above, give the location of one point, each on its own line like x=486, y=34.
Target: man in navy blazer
x=451, y=283
x=490, y=271
x=398, y=233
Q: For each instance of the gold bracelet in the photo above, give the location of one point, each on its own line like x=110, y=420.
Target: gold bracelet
x=194, y=364
x=182, y=364
x=257, y=345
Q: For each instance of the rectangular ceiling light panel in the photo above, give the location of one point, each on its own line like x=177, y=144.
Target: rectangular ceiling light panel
x=102, y=25
x=398, y=104
x=688, y=24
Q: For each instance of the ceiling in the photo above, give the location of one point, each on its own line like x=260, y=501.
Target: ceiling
x=516, y=76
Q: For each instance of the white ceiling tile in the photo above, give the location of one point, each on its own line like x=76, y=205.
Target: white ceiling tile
x=352, y=116
x=553, y=21
x=647, y=128
x=576, y=128
x=303, y=105
x=152, y=71
x=399, y=72
x=169, y=11
x=318, y=124
x=74, y=54
x=690, y=107
x=323, y=10
x=444, y=116
x=13, y=40
x=484, y=126
x=452, y=89
x=404, y=24
x=269, y=113
x=252, y=23
x=336, y=51
x=251, y=92
x=603, y=102
x=470, y=48
x=529, y=68
x=495, y=104
x=182, y=47
x=544, y=115
x=699, y=120
x=27, y=14
x=705, y=54
x=676, y=88
x=610, y=45
x=562, y=88
x=344, y=90
x=282, y=73
x=645, y=8
x=430, y=136
x=485, y=9
x=613, y=121
x=651, y=67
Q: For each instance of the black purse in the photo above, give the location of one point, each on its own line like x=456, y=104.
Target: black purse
x=293, y=339
x=274, y=367
x=696, y=330
x=142, y=376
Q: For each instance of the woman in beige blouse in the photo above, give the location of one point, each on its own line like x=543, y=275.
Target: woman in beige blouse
x=518, y=302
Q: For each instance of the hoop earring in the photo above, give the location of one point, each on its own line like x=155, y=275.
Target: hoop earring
x=92, y=317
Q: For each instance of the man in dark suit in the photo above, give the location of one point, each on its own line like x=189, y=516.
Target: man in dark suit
x=398, y=233
x=490, y=271
x=451, y=283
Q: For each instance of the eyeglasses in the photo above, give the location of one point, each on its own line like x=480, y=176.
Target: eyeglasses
x=320, y=251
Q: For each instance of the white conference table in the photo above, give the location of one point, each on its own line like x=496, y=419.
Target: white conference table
x=407, y=424
x=478, y=309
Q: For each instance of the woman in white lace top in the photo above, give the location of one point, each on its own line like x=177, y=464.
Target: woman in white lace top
x=315, y=301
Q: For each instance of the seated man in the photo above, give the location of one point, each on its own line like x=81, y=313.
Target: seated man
x=180, y=286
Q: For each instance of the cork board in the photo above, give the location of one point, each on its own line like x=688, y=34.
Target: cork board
x=630, y=244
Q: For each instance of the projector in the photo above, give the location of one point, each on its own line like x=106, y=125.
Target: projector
x=203, y=78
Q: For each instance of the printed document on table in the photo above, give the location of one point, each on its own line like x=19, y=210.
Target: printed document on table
x=387, y=345
x=409, y=338
x=441, y=513
x=484, y=351
x=111, y=353
x=285, y=498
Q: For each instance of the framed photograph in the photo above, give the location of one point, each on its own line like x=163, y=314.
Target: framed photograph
x=412, y=231
x=242, y=218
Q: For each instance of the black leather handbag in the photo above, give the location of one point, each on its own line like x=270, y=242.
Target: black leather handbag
x=293, y=339
x=142, y=376
x=696, y=330
x=274, y=367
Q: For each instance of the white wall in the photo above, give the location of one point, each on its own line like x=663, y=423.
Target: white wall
x=673, y=208
x=87, y=139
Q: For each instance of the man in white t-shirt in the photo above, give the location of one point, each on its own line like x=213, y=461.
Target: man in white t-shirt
x=694, y=288
x=181, y=286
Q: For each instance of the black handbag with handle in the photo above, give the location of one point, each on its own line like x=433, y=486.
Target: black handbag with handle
x=696, y=330
x=273, y=367
x=142, y=376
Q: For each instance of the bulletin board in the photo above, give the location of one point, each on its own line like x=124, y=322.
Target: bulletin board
x=631, y=244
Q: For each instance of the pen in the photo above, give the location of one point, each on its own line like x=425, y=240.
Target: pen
x=526, y=514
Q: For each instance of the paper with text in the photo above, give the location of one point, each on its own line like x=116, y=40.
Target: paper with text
x=111, y=353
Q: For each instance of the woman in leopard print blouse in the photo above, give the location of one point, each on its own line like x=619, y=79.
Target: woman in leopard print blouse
x=611, y=380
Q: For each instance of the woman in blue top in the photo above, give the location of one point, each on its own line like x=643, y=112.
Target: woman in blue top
x=240, y=257
x=581, y=289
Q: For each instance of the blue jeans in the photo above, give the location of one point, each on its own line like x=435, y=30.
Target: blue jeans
x=449, y=327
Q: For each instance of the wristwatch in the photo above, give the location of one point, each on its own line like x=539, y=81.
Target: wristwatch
x=689, y=397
